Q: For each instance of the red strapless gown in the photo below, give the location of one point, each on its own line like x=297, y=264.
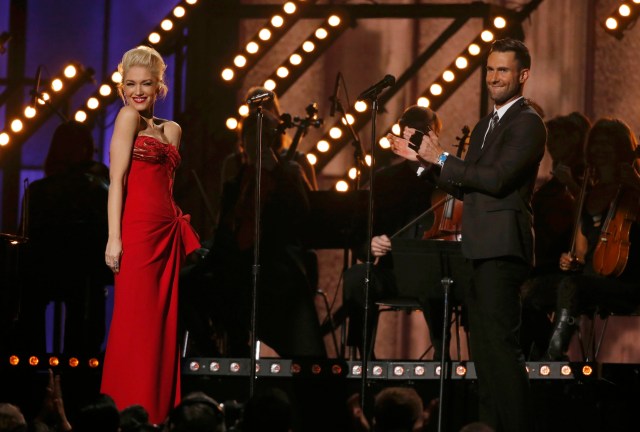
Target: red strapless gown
x=142, y=363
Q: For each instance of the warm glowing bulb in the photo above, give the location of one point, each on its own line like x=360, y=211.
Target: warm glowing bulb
x=243, y=110
x=33, y=361
x=166, y=25
x=321, y=33
x=16, y=125
x=178, y=12
x=4, y=139
x=227, y=74
x=54, y=361
x=264, y=34
x=353, y=173
x=435, y=89
x=282, y=72
x=349, y=119
x=587, y=370
x=73, y=362
x=70, y=71
x=80, y=116
x=565, y=370
x=277, y=21
x=295, y=59
x=323, y=146
x=367, y=160
x=334, y=20
x=474, y=49
x=56, y=85
x=624, y=10
x=192, y=2
x=342, y=186
x=313, y=159
x=499, y=22
x=14, y=360
x=289, y=7
x=270, y=84
x=232, y=123
x=360, y=106
x=116, y=77
x=44, y=96
x=240, y=61
x=448, y=76
x=94, y=362
x=335, y=132
x=396, y=129
x=486, y=36
x=384, y=143
x=154, y=38
x=30, y=112
x=252, y=47
x=423, y=102
x=545, y=370
x=105, y=90
x=611, y=23
x=308, y=46
x=92, y=103
x=461, y=63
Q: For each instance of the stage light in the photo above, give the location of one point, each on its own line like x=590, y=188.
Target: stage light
x=436, y=89
x=353, y=173
x=94, y=363
x=622, y=18
x=166, y=24
x=116, y=77
x=252, y=47
x=214, y=366
x=419, y=370
x=264, y=34
x=334, y=20
x=33, y=361
x=70, y=71
x=275, y=368
x=154, y=38
x=461, y=62
x=178, y=12
x=565, y=370
x=461, y=370
x=295, y=59
x=545, y=370
x=499, y=22
x=316, y=369
x=29, y=112
x=398, y=371
x=395, y=129
x=270, y=84
x=277, y=21
x=4, y=139
x=243, y=110
x=367, y=160
x=438, y=370
x=80, y=116
x=17, y=125
x=448, y=76
x=587, y=370
x=313, y=159
x=289, y=7
x=54, y=361
x=56, y=85
x=384, y=143
x=93, y=103
x=335, y=132
x=423, y=102
x=295, y=368
x=73, y=362
x=356, y=370
x=360, y=106
x=239, y=61
x=336, y=369
x=377, y=370
x=194, y=366
x=282, y=72
x=308, y=46
x=227, y=74
x=342, y=186
x=486, y=36
x=14, y=360
x=349, y=119
x=232, y=123
x=234, y=367
x=474, y=49
x=321, y=33
x=323, y=146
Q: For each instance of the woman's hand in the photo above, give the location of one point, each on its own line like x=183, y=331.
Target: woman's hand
x=380, y=245
x=113, y=254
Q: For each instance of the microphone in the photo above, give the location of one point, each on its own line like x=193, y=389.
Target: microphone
x=375, y=89
x=260, y=97
x=36, y=86
x=334, y=97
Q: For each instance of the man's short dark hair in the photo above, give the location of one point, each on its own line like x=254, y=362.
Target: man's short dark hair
x=517, y=47
x=420, y=118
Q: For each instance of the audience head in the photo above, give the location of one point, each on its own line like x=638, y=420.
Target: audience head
x=610, y=142
x=477, y=427
x=397, y=409
x=11, y=419
x=268, y=411
x=565, y=141
x=196, y=413
x=71, y=144
x=420, y=118
x=134, y=418
x=99, y=415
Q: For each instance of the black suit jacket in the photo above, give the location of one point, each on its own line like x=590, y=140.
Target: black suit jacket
x=496, y=183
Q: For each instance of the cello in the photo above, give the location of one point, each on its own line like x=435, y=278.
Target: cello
x=447, y=224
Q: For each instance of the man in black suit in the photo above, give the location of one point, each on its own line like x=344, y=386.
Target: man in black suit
x=496, y=181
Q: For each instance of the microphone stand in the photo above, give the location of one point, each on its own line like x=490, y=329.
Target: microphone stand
x=256, y=250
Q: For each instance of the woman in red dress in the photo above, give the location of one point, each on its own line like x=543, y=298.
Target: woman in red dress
x=149, y=238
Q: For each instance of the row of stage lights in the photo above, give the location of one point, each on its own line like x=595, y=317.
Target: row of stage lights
x=73, y=76
x=107, y=91
x=621, y=18
x=377, y=370
x=61, y=87
x=264, y=39
x=53, y=361
x=299, y=61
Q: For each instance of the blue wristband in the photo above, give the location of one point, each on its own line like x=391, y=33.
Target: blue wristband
x=443, y=157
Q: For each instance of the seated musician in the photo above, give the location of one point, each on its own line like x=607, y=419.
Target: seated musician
x=400, y=196
x=598, y=274
x=286, y=317
x=554, y=209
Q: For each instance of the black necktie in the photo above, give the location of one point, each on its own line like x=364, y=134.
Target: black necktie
x=492, y=124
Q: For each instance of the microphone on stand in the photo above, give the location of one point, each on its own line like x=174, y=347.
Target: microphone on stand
x=36, y=87
x=334, y=97
x=375, y=89
x=260, y=97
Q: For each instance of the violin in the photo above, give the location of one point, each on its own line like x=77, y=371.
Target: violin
x=447, y=224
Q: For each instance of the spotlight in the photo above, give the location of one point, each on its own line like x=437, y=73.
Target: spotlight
x=14, y=360
x=622, y=18
x=74, y=362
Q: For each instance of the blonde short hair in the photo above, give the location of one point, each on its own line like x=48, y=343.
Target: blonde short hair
x=147, y=57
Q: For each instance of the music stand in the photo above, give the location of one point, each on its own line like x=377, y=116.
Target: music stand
x=430, y=268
